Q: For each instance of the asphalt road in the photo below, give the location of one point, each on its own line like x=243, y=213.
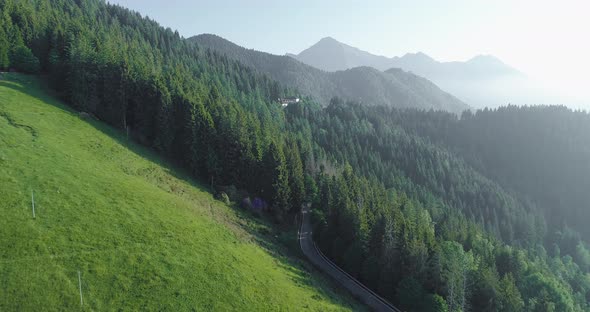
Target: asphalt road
x=314, y=255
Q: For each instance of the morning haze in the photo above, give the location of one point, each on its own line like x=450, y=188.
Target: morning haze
x=537, y=38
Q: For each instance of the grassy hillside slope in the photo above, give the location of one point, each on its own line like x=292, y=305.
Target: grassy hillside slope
x=142, y=236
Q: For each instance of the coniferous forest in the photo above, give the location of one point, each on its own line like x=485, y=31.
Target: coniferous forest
x=485, y=211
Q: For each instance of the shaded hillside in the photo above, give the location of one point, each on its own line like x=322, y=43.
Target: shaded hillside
x=402, y=247
x=541, y=152
x=395, y=88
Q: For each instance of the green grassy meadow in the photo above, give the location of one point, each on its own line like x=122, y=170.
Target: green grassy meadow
x=143, y=236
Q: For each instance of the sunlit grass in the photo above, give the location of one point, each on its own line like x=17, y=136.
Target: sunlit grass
x=143, y=236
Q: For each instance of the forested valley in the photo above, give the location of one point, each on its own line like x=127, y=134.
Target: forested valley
x=435, y=212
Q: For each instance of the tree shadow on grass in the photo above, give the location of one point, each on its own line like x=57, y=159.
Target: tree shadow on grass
x=39, y=89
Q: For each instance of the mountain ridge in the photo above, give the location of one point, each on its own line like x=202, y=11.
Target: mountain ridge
x=383, y=63
x=364, y=83
x=481, y=81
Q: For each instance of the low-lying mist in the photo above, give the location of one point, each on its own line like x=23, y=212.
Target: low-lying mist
x=515, y=90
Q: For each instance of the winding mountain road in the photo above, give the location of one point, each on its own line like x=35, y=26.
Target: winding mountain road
x=313, y=253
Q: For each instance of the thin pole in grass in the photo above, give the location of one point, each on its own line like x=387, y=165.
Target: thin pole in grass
x=80, y=286
x=33, y=203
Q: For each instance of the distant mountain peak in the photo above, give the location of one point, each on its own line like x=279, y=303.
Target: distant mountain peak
x=329, y=39
x=491, y=63
x=418, y=56
x=331, y=55
x=328, y=43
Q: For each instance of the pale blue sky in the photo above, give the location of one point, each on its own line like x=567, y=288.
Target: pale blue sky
x=549, y=40
x=383, y=27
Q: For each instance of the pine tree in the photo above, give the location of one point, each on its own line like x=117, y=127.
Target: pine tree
x=164, y=122
x=510, y=298
x=280, y=192
x=296, y=178
x=23, y=60
x=202, y=129
x=4, y=48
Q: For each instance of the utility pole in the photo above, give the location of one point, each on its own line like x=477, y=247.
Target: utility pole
x=80, y=286
x=33, y=203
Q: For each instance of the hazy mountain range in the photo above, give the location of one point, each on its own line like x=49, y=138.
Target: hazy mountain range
x=481, y=81
x=331, y=55
x=365, y=84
